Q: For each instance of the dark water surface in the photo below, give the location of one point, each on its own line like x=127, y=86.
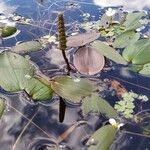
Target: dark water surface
x=28, y=126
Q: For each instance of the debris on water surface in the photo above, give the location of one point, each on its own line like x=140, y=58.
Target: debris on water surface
x=72, y=6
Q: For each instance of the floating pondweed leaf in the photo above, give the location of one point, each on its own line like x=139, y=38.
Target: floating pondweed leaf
x=145, y=70
x=143, y=48
x=8, y=31
x=133, y=20
x=82, y=39
x=108, y=52
x=125, y=39
x=27, y=46
x=88, y=61
x=13, y=69
x=2, y=106
x=71, y=88
x=38, y=90
x=102, y=138
x=138, y=53
x=97, y=104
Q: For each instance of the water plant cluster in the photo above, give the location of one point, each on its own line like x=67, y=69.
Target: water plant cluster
x=108, y=39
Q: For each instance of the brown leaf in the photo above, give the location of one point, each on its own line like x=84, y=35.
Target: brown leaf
x=82, y=39
x=88, y=61
x=120, y=90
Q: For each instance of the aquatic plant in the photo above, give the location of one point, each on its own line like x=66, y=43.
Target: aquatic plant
x=20, y=74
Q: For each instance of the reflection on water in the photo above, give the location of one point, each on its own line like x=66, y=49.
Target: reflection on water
x=127, y=4
x=27, y=126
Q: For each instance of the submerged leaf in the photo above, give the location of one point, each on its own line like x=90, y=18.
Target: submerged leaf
x=82, y=39
x=102, y=138
x=2, y=106
x=108, y=52
x=27, y=46
x=88, y=61
x=71, y=88
x=98, y=105
x=13, y=71
x=38, y=90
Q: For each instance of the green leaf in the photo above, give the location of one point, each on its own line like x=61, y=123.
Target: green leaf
x=133, y=20
x=138, y=52
x=17, y=74
x=142, y=54
x=108, y=52
x=97, y=104
x=2, y=106
x=125, y=39
x=71, y=88
x=8, y=31
x=145, y=70
x=102, y=138
x=38, y=90
x=13, y=71
x=27, y=46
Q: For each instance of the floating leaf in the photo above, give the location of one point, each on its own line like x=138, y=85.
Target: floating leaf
x=82, y=39
x=8, y=31
x=2, y=106
x=125, y=39
x=133, y=20
x=143, y=48
x=98, y=105
x=27, y=46
x=38, y=90
x=138, y=52
x=102, y=138
x=108, y=52
x=71, y=88
x=88, y=61
x=145, y=70
x=13, y=71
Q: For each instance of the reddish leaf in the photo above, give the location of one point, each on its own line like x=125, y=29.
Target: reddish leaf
x=88, y=61
x=82, y=39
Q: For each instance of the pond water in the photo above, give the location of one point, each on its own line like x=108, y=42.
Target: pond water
x=29, y=125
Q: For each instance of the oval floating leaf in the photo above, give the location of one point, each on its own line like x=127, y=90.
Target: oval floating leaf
x=145, y=70
x=125, y=39
x=88, y=61
x=27, y=46
x=13, y=71
x=38, y=90
x=82, y=39
x=143, y=54
x=71, y=88
x=133, y=20
x=97, y=104
x=108, y=52
x=102, y=138
x=2, y=106
x=8, y=31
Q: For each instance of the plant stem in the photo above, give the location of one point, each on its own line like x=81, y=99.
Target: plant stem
x=67, y=62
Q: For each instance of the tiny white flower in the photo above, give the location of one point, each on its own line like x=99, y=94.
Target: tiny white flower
x=76, y=80
x=2, y=17
x=143, y=98
x=110, y=12
x=112, y=121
